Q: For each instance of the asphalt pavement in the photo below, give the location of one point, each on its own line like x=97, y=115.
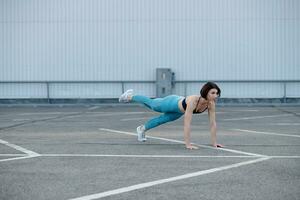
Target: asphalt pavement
x=92, y=152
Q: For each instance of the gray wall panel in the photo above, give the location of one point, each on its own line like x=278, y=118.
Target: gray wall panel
x=252, y=90
x=15, y=91
x=87, y=90
x=293, y=90
x=129, y=39
x=147, y=89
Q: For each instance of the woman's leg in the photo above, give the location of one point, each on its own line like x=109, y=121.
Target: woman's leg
x=153, y=104
x=164, y=118
x=164, y=105
x=168, y=105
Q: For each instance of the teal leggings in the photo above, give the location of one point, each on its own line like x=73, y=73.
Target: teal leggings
x=167, y=105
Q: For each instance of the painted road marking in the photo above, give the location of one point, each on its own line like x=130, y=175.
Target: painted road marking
x=22, y=156
x=257, y=117
x=18, y=158
x=141, y=156
x=134, y=119
x=266, y=133
x=167, y=180
x=285, y=124
x=181, y=142
x=19, y=148
x=10, y=154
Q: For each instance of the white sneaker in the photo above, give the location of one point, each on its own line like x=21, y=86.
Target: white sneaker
x=125, y=96
x=141, y=133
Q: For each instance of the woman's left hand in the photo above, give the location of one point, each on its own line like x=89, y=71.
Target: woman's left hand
x=218, y=145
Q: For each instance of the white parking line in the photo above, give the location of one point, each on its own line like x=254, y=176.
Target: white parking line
x=266, y=133
x=17, y=120
x=9, y=155
x=118, y=113
x=113, y=114
x=133, y=119
x=18, y=158
x=93, y=108
x=141, y=156
x=257, y=117
x=44, y=113
x=89, y=112
x=167, y=180
x=28, y=152
x=181, y=142
x=285, y=124
x=284, y=156
x=22, y=156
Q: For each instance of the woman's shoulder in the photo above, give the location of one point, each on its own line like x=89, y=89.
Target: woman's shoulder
x=192, y=99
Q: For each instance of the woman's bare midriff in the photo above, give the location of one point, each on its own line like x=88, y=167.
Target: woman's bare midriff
x=180, y=105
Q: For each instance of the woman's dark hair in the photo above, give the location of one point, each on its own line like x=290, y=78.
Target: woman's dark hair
x=208, y=86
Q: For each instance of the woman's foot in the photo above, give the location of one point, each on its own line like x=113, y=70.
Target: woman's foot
x=126, y=96
x=141, y=133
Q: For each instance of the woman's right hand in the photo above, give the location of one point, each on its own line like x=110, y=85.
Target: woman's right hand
x=218, y=145
x=191, y=147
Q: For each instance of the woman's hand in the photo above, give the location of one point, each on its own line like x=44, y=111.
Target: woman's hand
x=218, y=145
x=191, y=147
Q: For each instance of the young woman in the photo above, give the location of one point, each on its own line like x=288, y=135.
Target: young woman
x=173, y=107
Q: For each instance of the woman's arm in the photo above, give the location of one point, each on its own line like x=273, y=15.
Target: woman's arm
x=213, y=124
x=187, y=124
x=187, y=128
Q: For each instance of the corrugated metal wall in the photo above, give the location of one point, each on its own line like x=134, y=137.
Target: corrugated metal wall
x=128, y=39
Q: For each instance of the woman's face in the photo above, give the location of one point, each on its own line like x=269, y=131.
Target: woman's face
x=212, y=94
